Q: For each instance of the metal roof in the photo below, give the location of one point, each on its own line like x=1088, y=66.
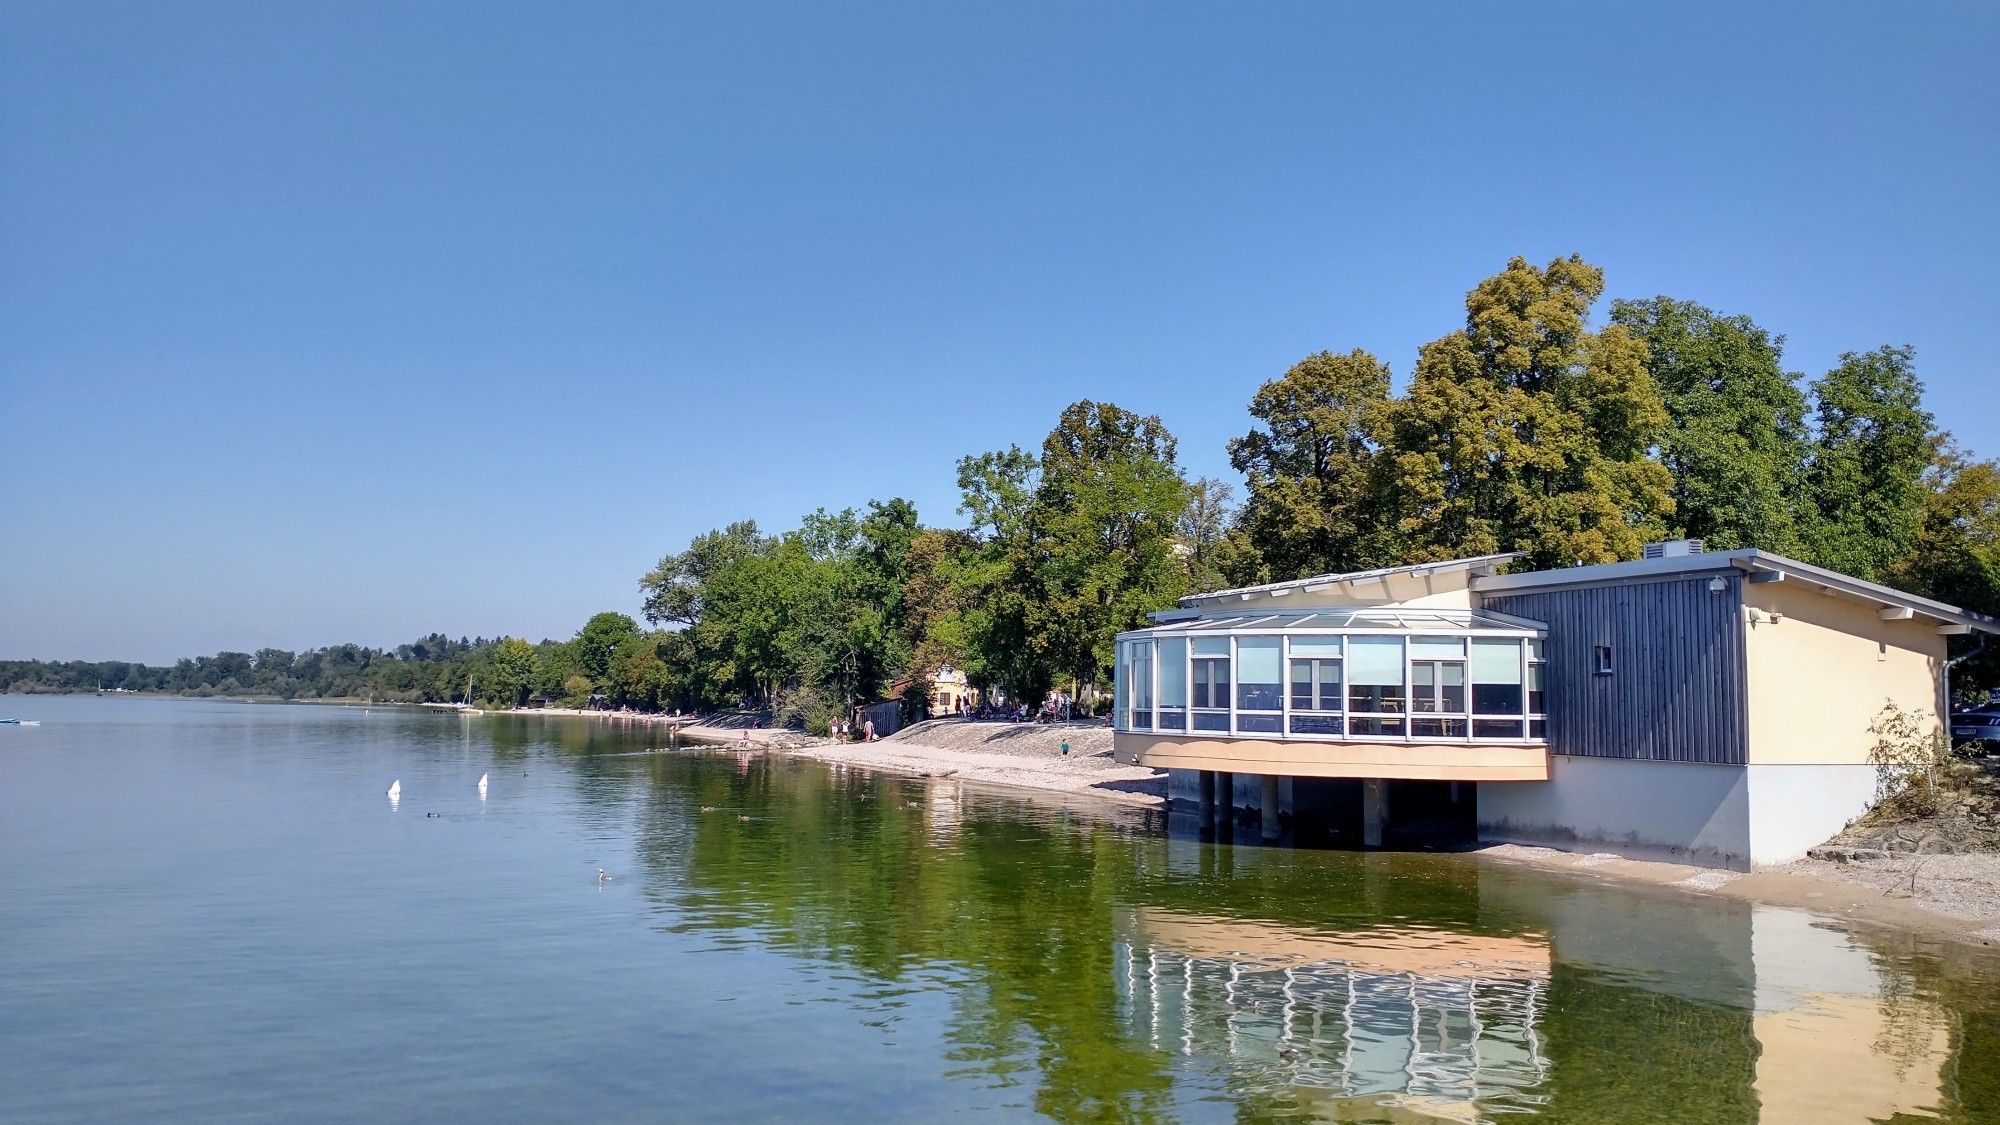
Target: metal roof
x=1760, y=566
x=1487, y=563
x=1371, y=618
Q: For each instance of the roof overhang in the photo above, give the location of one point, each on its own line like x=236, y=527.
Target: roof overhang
x=1757, y=567
x=1360, y=583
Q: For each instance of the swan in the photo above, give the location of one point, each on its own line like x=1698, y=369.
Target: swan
x=396, y=788
x=482, y=787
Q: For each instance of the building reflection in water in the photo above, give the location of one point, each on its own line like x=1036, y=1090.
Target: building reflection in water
x=1430, y=1024
x=1442, y=1023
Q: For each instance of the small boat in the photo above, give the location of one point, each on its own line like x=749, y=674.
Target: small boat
x=21, y=722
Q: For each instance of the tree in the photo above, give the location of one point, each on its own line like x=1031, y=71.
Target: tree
x=597, y=642
x=1203, y=531
x=510, y=670
x=1955, y=555
x=1310, y=467
x=1082, y=544
x=1735, y=438
x=1872, y=443
x=676, y=590
x=1525, y=431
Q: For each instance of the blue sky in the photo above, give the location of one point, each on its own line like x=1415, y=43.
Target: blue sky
x=353, y=322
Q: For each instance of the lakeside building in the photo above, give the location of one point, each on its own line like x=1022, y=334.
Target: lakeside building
x=950, y=691
x=1712, y=708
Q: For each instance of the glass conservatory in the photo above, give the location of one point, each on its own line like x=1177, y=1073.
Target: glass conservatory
x=1374, y=675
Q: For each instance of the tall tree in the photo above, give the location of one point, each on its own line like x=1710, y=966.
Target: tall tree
x=1202, y=537
x=1310, y=467
x=1955, y=555
x=1871, y=445
x=597, y=642
x=1526, y=431
x=1735, y=438
x=676, y=590
x=1098, y=553
x=509, y=672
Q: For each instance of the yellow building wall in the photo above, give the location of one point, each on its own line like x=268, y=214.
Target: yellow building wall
x=1820, y=675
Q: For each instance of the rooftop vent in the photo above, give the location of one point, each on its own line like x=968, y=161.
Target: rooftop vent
x=1671, y=549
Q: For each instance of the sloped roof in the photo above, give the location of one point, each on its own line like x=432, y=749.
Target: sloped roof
x=1759, y=566
x=1476, y=566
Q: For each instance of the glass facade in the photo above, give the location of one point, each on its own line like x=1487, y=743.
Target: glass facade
x=1480, y=685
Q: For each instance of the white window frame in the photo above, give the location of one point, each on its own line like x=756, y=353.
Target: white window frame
x=1525, y=720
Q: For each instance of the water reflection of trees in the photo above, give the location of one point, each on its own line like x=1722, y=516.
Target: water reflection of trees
x=1065, y=944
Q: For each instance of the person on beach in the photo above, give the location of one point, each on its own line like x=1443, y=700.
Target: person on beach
x=868, y=730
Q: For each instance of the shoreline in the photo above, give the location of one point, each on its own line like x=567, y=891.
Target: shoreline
x=1947, y=898
x=1952, y=898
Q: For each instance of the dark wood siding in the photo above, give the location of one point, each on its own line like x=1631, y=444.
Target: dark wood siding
x=1677, y=688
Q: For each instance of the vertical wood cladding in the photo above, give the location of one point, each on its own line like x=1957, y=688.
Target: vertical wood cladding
x=1676, y=692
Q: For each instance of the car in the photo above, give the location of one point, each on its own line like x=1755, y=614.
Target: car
x=1981, y=724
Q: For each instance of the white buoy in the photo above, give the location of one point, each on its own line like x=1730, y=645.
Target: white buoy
x=482, y=787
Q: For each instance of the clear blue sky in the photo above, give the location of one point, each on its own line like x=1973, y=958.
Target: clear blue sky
x=325, y=322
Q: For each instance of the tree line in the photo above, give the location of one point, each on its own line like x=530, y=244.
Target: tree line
x=1525, y=429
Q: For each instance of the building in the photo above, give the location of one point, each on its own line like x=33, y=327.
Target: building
x=950, y=691
x=1712, y=708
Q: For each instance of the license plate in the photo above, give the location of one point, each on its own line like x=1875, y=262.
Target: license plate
x=1964, y=732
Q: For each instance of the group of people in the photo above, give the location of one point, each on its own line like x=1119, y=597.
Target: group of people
x=1057, y=709
x=844, y=730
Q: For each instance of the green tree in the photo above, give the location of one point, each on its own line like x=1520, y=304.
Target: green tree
x=1871, y=446
x=1203, y=533
x=676, y=590
x=597, y=642
x=1310, y=466
x=510, y=671
x=1735, y=438
x=1089, y=555
x=1525, y=431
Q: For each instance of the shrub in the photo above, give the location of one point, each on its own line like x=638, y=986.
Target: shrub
x=1909, y=756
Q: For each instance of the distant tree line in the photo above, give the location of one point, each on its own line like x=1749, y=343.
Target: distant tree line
x=1526, y=429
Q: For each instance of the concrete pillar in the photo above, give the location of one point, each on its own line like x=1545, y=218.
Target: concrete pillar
x=1270, y=809
x=1205, y=786
x=1225, y=795
x=1374, y=811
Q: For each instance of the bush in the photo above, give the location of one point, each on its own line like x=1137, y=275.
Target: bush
x=1909, y=760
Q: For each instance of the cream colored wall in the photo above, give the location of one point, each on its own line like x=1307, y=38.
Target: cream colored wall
x=1295, y=758
x=1819, y=676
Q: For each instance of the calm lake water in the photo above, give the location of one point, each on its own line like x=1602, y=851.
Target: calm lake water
x=212, y=911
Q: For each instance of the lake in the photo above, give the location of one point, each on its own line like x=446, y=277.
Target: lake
x=213, y=911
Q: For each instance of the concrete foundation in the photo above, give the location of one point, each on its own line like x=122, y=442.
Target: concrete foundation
x=1720, y=816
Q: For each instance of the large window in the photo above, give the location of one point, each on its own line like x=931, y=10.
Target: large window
x=1353, y=685
x=1209, y=679
x=1538, y=723
x=1375, y=686
x=1142, y=686
x=1317, y=686
x=1437, y=687
x=1172, y=712
x=1260, y=684
x=1497, y=697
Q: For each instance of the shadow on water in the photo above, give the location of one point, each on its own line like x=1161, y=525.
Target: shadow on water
x=1122, y=971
